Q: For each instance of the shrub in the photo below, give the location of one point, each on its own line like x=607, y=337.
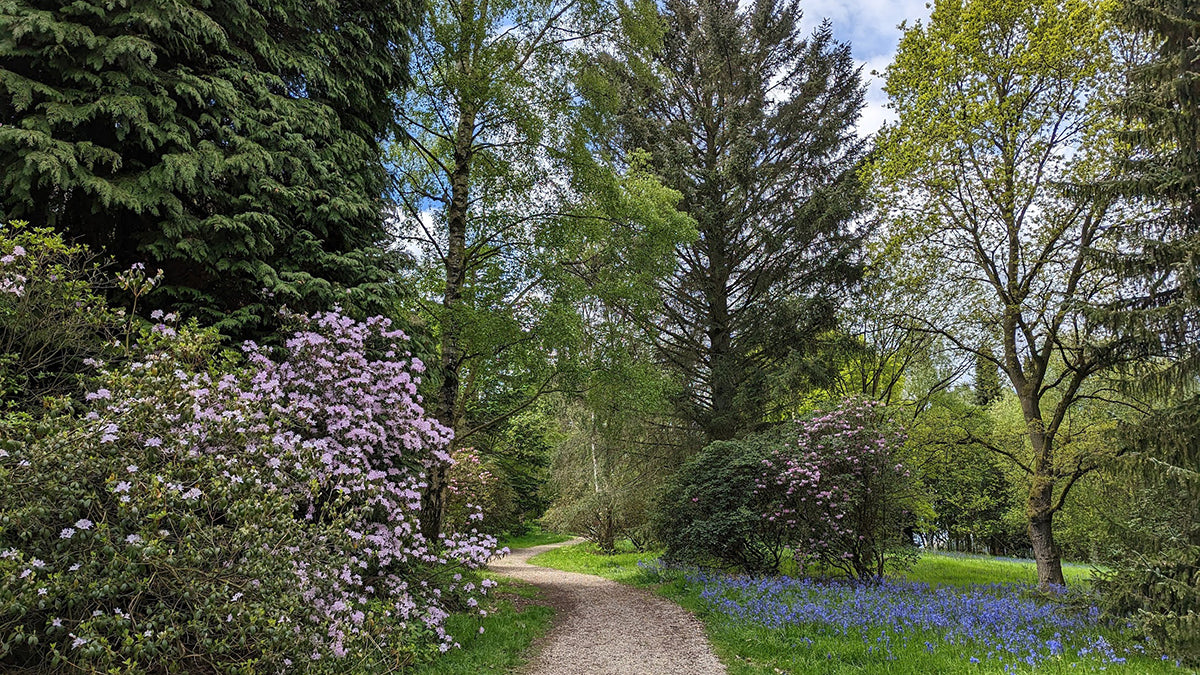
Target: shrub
x=207, y=518
x=473, y=491
x=711, y=511
x=840, y=493
x=831, y=488
x=51, y=317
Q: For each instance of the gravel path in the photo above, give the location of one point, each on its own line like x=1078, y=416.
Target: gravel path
x=604, y=628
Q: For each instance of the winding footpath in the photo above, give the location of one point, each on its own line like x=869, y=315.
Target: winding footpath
x=602, y=627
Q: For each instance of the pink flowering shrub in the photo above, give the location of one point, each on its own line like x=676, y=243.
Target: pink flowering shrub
x=217, y=513
x=472, y=490
x=830, y=489
x=838, y=494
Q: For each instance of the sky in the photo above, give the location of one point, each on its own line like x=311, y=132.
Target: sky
x=870, y=28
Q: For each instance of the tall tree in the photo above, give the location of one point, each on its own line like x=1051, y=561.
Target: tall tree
x=233, y=144
x=999, y=110
x=754, y=124
x=1160, y=582
x=501, y=197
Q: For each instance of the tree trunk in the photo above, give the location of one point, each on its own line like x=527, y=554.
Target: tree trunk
x=1040, y=505
x=1040, y=508
x=433, y=502
x=1045, y=551
x=722, y=424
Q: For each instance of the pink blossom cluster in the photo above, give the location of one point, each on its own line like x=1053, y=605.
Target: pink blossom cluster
x=331, y=426
x=830, y=493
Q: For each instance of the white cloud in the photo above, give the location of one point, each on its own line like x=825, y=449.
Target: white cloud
x=870, y=26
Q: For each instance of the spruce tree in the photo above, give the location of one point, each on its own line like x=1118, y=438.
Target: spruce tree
x=753, y=122
x=233, y=144
x=1158, y=581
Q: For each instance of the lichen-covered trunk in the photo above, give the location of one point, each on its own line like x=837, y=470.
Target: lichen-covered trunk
x=433, y=502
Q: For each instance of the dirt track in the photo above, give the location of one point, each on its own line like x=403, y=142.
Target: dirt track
x=604, y=628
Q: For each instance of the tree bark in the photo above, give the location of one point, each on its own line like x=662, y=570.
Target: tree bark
x=433, y=502
x=1040, y=506
x=1041, y=536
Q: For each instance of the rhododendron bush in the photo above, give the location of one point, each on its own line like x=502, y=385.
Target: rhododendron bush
x=831, y=489
x=838, y=494
x=206, y=511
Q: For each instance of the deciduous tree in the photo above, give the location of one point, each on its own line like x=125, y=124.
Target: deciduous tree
x=505, y=204
x=999, y=112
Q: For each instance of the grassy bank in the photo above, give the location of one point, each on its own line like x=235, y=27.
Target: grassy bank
x=534, y=537
x=514, y=620
x=768, y=627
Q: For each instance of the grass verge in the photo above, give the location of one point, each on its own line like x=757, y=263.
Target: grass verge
x=748, y=647
x=535, y=537
x=960, y=569
x=514, y=620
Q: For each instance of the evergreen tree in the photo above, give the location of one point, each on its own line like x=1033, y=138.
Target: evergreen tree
x=1159, y=581
x=233, y=144
x=754, y=124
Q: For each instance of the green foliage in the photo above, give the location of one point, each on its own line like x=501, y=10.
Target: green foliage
x=51, y=317
x=618, y=445
x=517, y=225
x=1156, y=577
x=605, y=475
x=832, y=489
x=233, y=144
x=750, y=121
x=968, y=491
x=710, y=512
x=1001, y=107
x=512, y=623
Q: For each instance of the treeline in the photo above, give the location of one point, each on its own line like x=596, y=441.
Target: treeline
x=627, y=238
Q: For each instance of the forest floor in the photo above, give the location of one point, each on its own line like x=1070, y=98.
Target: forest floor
x=603, y=627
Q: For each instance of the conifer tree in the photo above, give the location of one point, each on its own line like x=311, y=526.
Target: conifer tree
x=233, y=144
x=753, y=122
x=1159, y=581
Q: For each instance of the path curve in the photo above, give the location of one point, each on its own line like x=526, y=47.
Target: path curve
x=602, y=627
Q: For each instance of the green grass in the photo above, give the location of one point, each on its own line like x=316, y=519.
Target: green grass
x=535, y=537
x=749, y=649
x=960, y=570
x=513, y=622
x=586, y=558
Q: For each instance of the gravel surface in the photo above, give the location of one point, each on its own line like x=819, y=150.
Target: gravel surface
x=604, y=628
